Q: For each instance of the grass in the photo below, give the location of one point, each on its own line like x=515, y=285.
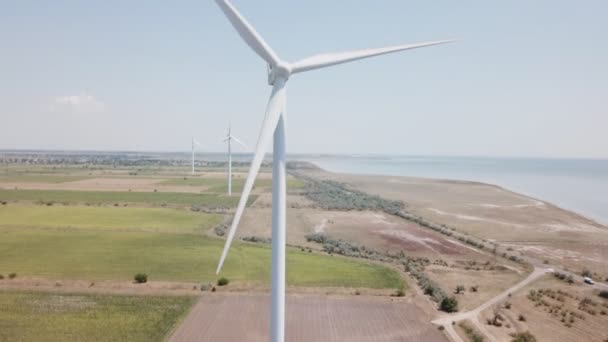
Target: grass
x=98, y=255
x=36, y=316
x=107, y=218
x=111, y=197
x=39, y=178
x=221, y=185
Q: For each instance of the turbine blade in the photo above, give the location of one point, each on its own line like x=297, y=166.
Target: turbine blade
x=329, y=59
x=248, y=33
x=240, y=142
x=273, y=113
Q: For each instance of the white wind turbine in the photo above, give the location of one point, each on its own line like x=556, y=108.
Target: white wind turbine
x=279, y=72
x=194, y=145
x=229, y=137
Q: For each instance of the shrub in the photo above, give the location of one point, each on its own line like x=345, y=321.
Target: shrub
x=3, y=202
x=441, y=328
x=400, y=293
x=12, y=275
x=604, y=294
x=474, y=288
x=459, y=289
x=523, y=337
x=586, y=273
x=507, y=305
x=141, y=278
x=223, y=281
x=449, y=304
x=1, y=277
x=521, y=318
x=206, y=287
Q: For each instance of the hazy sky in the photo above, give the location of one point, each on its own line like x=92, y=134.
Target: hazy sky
x=530, y=78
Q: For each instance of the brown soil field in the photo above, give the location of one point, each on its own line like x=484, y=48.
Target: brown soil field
x=545, y=320
x=245, y=317
x=495, y=214
x=489, y=283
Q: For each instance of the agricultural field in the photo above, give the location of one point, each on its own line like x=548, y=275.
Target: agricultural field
x=106, y=218
x=118, y=255
x=40, y=316
x=244, y=317
x=119, y=197
x=213, y=184
x=360, y=267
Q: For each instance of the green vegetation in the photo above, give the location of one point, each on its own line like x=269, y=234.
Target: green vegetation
x=36, y=316
x=141, y=278
x=603, y=294
x=331, y=195
x=98, y=255
x=39, y=178
x=111, y=197
x=523, y=337
x=449, y=304
x=472, y=334
x=107, y=218
x=220, y=184
x=223, y=281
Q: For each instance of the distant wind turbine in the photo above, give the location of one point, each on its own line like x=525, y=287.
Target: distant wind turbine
x=279, y=72
x=229, y=137
x=194, y=145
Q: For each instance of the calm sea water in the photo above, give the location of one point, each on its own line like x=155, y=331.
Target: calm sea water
x=577, y=185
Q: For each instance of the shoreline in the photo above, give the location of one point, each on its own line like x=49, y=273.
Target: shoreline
x=517, y=192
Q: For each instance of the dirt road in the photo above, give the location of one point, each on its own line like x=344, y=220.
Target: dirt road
x=472, y=315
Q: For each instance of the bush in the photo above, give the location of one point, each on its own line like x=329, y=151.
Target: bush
x=12, y=275
x=603, y=294
x=474, y=288
x=521, y=318
x=400, y=293
x=141, y=278
x=459, y=289
x=449, y=304
x=586, y=273
x=223, y=281
x=523, y=337
x=1, y=277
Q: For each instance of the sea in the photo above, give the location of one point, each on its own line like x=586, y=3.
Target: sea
x=579, y=185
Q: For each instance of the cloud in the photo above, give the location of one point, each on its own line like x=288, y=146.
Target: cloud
x=76, y=104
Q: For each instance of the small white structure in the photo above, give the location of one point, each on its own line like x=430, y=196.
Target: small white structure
x=588, y=280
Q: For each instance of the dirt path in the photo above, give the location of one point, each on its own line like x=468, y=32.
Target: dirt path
x=240, y=317
x=153, y=288
x=472, y=315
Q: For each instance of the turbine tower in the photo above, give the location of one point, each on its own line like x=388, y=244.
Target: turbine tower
x=229, y=137
x=279, y=72
x=194, y=145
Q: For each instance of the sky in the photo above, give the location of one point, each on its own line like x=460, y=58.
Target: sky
x=527, y=79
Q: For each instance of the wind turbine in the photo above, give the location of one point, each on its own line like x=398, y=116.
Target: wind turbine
x=229, y=137
x=279, y=72
x=194, y=145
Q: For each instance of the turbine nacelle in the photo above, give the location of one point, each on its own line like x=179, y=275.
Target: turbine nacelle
x=281, y=70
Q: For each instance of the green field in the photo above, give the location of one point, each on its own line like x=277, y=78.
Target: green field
x=98, y=255
x=36, y=316
x=39, y=178
x=106, y=218
x=221, y=185
x=111, y=197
